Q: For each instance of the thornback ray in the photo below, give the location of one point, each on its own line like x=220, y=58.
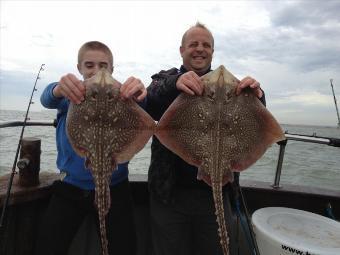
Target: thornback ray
x=107, y=130
x=219, y=132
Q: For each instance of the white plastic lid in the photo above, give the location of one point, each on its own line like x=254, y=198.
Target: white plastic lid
x=299, y=229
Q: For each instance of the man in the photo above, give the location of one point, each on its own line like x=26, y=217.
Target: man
x=182, y=210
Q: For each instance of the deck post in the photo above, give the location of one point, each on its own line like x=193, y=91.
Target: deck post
x=276, y=183
x=29, y=162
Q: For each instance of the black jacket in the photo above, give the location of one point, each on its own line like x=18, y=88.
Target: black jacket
x=167, y=170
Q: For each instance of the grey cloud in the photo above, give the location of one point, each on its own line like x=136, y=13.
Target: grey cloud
x=16, y=82
x=299, y=112
x=307, y=31
x=307, y=13
x=305, y=49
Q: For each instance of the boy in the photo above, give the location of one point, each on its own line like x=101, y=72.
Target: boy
x=73, y=196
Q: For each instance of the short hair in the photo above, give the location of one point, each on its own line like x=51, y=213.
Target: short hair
x=94, y=45
x=197, y=25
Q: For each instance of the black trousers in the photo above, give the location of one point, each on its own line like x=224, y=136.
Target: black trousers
x=69, y=206
x=188, y=226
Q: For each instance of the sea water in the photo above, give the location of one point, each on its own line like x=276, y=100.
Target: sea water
x=304, y=163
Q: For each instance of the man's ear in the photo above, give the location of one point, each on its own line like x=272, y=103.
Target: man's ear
x=79, y=70
x=181, y=49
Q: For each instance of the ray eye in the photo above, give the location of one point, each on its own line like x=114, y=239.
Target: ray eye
x=211, y=94
x=228, y=95
x=93, y=95
x=109, y=94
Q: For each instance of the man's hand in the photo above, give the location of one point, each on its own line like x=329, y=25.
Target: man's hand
x=190, y=83
x=70, y=87
x=133, y=88
x=251, y=83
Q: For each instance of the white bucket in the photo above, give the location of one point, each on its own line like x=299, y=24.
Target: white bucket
x=285, y=231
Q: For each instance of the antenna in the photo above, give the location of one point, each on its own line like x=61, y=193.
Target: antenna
x=336, y=106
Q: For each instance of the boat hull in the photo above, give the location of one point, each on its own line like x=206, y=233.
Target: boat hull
x=26, y=206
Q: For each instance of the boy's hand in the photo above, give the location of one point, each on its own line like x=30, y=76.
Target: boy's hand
x=251, y=83
x=70, y=87
x=133, y=88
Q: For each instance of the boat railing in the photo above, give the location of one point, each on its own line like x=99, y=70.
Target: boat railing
x=335, y=142
x=18, y=123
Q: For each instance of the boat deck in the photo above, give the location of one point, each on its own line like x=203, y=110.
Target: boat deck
x=26, y=205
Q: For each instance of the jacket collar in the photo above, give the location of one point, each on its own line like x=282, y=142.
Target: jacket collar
x=184, y=70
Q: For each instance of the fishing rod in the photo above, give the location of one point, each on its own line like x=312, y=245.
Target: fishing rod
x=240, y=205
x=336, y=105
x=18, y=149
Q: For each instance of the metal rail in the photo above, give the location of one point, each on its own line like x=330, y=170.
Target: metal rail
x=314, y=139
x=335, y=142
x=17, y=123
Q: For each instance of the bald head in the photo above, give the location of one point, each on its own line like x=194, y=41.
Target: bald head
x=197, y=49
x=197, y=25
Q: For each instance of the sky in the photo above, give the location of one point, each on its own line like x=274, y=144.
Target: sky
x=291, y=47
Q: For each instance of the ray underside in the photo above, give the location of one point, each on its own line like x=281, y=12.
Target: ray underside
x=107, y=131
x=219, y=132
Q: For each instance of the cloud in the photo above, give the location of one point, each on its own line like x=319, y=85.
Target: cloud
x=15, y=82
x=302, y=14
x=308, y=32
x=290, y=47
x=301, y=34
x=312, y=98
x=16, y=88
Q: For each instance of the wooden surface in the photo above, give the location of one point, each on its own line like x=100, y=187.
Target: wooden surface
x=23, y=214
x=21, y=194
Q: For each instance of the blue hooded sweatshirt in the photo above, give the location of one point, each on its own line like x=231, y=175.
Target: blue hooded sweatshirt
x=68, y=161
